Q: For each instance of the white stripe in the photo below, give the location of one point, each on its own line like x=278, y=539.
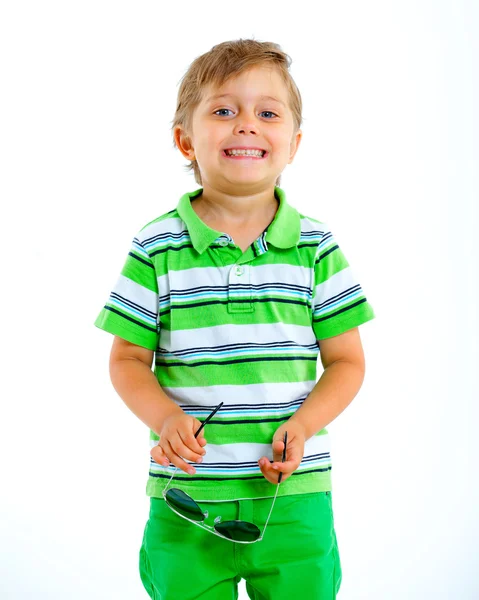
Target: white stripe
x=220, y=276
x=244, y=290
x=333, y=286
x=137, y=314
x=308, y=224
x=245, y=351
x=260, y=333
x=250, y=453
x=138, y=294
x=169, y=225
x=139, y=249
x=251, y=395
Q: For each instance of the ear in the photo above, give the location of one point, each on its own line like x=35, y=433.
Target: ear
x=184, y=143
x=295, y=145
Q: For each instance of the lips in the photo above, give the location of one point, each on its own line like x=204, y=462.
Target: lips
x=243, y=156
x=245, y=148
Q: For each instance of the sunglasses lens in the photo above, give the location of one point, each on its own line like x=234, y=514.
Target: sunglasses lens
x=241, y=531
x=184, y=504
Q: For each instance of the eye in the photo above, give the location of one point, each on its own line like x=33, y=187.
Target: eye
x=227, y=109
x=219, y=110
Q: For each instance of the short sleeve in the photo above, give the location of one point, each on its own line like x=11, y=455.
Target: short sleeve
x=339, y=303
x=131, y=311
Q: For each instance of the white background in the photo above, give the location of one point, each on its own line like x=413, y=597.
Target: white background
x=389, y=159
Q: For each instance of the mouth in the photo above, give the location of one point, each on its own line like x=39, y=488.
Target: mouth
x=245, y=156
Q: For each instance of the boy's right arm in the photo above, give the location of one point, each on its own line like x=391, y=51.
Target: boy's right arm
x=137, y=385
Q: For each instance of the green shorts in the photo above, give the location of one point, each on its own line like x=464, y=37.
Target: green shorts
x=298, y=556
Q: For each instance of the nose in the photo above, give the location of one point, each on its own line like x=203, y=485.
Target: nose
x=248, y=128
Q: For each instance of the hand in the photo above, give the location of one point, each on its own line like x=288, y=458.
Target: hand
x=177, y=441
x=294, y=452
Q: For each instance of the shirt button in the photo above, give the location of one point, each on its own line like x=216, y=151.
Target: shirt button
x=223, y=242
x=239, y=271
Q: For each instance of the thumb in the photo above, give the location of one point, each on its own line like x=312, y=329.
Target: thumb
x=278, y=447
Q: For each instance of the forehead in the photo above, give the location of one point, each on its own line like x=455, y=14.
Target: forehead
x=261, y=82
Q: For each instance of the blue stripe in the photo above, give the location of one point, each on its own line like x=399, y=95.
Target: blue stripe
x=343, y=298
x=139, y=313
x=132, y=304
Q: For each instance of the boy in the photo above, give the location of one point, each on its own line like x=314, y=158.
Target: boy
x=234, y=293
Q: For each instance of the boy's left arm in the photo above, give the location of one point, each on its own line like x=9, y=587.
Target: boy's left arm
x=343, y=361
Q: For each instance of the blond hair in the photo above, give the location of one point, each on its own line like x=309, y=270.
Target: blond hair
x=217, y=66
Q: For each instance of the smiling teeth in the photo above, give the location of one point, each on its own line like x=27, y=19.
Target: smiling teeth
x=244, y=152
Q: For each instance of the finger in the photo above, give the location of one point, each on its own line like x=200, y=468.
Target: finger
x=268, y=475
x=270, y=466
x=287, y=466
x=176, y=459
x=271, y=474
x=294, y=454
x=278, y=447
x=159, y=456
x=199, y=442
x=191, y=446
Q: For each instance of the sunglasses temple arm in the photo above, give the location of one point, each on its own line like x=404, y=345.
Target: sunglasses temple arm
x=285, y=440
x=208, y=418
x=271, y=510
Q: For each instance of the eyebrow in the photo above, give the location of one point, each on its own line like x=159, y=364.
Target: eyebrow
x=260, y=97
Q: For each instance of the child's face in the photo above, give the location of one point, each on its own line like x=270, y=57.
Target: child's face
x=244, y=119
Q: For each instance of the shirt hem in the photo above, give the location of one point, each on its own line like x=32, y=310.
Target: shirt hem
x=226, y=491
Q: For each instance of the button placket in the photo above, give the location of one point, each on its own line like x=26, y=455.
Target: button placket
x=240, y=274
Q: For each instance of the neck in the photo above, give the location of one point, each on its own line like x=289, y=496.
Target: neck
x=216, y=206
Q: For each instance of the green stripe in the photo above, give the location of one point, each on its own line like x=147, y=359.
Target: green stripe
x=238, y=374
x=257, y=487
x=257, y=432
x=117, y=325
x=212, y=315
x=343, y=321
x=139, y=272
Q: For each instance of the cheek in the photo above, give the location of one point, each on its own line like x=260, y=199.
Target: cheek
x=212, y=143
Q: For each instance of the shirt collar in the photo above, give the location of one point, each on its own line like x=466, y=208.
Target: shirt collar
x=283, y=232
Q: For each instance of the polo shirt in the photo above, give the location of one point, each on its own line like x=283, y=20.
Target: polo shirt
x=242, y=328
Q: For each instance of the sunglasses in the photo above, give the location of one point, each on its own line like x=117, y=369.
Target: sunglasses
x=183, y=505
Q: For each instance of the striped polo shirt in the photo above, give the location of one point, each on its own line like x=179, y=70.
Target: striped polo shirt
x=242, y=328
